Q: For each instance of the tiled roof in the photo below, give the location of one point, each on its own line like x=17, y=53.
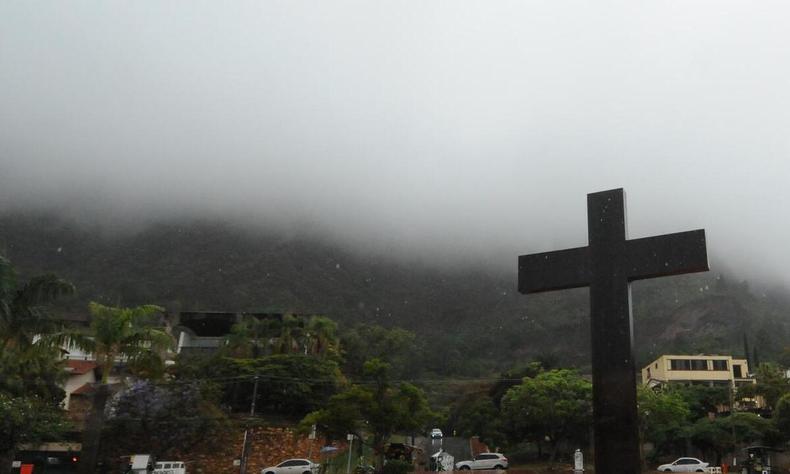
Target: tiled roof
x=79, y=367
x=87, y=388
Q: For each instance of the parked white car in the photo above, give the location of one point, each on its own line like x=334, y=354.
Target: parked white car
x=483, y=461
x=684, y=465
x=169, y=467
x=293, y=466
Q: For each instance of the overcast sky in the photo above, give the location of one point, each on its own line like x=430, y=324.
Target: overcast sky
x=468, y=127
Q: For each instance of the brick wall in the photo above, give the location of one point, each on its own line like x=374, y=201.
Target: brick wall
x=269, y=446
x=477, y=446
x=79, y=407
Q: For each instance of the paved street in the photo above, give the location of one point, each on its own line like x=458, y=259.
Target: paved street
x=457, y=447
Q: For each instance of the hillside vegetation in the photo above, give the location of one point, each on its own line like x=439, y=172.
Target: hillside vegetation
x=473, y=320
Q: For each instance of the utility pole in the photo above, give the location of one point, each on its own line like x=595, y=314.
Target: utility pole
x=245, y=443
x=311, y=437
x=732, y=407
x=350, y=439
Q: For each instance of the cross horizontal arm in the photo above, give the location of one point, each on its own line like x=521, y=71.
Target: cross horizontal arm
x=550, y=271
x=664, y=255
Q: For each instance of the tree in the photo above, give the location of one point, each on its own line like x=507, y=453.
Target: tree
x=26, y=419
x=784, y=358
x=663, y=416
x=321, y=337
x=30, y=397
x=35, y=370
x=116, y=333
x=711, y=435
x=513, y=377
x=341, y=415
x=290, y=384
x=556, y=405
x=720, y=435
x=252, y=337
x=701, y=399
x=781, y=417
x=398, y=347
x=123, y=333
x=23, y=314
x=750, y=428
x=31, y=371
x=159, y=418
x=771, y=384
x=477, y=415
x=291, y=333
x=746, y=354
x=376, y=407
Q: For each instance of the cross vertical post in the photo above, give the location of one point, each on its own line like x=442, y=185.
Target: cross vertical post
x=615, y=424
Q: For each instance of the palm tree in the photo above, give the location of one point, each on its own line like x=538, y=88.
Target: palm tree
x=23, y=314
x=252, y=336
x=127, y=334
x=291, y=332
x=321, y=336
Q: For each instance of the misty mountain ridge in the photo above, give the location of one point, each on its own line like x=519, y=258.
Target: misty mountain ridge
x=471, y=312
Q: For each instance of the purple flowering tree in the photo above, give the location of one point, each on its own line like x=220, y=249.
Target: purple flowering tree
x=160, y=418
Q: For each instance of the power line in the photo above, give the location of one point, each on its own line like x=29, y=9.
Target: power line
x=312, y=380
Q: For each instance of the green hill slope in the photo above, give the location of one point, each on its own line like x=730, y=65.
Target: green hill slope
x=473, y=319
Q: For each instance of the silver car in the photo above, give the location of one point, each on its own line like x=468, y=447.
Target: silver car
x=684, y=465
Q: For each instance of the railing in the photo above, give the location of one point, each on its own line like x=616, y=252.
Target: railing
x=203, y=342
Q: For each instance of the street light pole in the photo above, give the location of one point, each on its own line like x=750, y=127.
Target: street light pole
x=311, y=437
x=350, y=439
x=245, y=443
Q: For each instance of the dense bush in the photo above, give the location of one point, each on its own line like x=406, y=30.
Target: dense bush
x=397, y=466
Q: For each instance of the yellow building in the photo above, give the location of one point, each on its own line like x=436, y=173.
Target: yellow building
x=710, y=370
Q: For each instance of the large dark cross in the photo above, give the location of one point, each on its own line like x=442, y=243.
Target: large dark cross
x=607, y=265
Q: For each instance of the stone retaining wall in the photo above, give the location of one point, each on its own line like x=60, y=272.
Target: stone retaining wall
x=269, y=446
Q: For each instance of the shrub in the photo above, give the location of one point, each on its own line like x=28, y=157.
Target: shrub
x=397, y=466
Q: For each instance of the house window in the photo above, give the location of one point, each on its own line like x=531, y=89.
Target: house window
x=648, y=372
x=697, y=364
x=736, y=371
x=719, y=365
x=679, y=364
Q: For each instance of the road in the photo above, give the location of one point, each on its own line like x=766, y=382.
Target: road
x=457, y=447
